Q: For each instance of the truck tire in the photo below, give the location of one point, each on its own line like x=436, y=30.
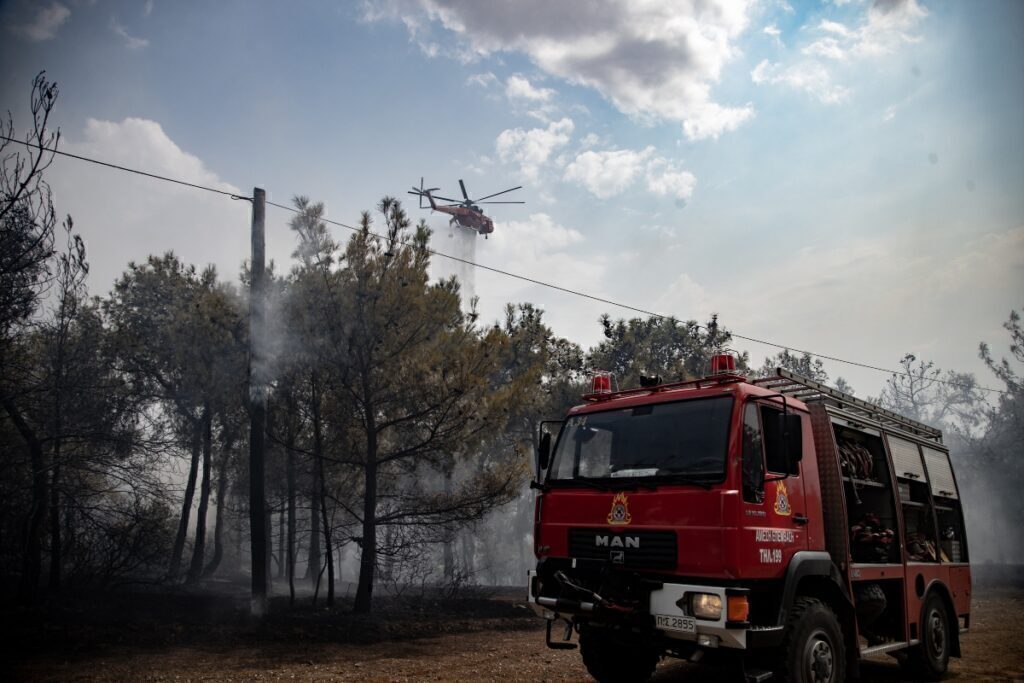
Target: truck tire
x=930, y=658
x=813, y=650
x=611, y=659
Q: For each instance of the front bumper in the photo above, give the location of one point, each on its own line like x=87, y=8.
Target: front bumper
x=662, y=601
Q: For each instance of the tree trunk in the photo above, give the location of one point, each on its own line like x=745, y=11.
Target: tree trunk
x=449, y=555
x=281, y=534
x=267, y=534
x=186, y=507
x=522, y=566
x=195, y=570
x=327, y=542
x=218, y=527
x=387, y=570
x=318, y=451
x=468, y=552
x=32, y=557
x=313, y=558
x=290, y=466
x=56, y=558
x=368, y=543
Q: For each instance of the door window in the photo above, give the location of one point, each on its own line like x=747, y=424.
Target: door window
x=753, y=460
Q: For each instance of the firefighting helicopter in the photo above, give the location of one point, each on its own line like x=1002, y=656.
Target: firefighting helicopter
x=465, y=213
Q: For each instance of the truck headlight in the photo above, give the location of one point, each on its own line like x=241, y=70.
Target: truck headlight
x=706, y=606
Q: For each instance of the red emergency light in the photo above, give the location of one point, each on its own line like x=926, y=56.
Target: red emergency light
x=601, y=383
x=723, y=364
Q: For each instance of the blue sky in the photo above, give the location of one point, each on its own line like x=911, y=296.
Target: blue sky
x=840, y=176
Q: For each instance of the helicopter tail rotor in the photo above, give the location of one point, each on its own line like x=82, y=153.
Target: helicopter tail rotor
x=422, y=192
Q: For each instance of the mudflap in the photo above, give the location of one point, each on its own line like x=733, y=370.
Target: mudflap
x=562, y=644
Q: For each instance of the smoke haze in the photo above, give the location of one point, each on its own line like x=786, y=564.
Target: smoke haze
x=461, y=244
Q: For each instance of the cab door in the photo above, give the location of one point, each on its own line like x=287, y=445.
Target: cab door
x=775, y=510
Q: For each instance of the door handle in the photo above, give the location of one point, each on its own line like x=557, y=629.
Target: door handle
x=800, y=519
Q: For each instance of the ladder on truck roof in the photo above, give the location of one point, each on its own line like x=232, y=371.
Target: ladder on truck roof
x=809, y=391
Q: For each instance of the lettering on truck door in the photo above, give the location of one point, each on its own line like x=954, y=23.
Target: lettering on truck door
x=780, y=517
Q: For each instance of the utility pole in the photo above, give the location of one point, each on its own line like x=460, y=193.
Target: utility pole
x=257, y=407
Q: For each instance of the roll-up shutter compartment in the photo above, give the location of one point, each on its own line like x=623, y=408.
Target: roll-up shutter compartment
x=906, y=459
x=940, y=473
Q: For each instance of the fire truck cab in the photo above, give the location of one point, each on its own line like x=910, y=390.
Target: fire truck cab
x=785, y=524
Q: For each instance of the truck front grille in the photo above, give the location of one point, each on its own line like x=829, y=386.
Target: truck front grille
x=634, y=549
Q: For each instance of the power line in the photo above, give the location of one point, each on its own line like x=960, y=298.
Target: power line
x=492, y=269
x=107, y=164
x=629, y=307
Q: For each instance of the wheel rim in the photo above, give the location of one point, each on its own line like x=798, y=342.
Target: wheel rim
x=818, y=658
x=937, y=634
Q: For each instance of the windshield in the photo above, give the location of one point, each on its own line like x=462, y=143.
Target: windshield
x=683, y=438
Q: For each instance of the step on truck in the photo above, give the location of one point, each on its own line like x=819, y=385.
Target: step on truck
x=777, y=524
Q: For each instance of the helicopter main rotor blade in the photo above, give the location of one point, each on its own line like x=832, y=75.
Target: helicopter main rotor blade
x=518, y=187
x=479, y=202
x=463, y=186
x=447, y=199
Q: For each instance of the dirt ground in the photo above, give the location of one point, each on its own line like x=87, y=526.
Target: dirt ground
x=503, y=648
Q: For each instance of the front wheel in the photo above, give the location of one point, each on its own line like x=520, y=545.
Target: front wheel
x=614, y=658
x=812, y=650
x=930, y=659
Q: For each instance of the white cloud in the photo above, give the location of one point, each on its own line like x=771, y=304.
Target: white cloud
x=811, y=77
x=532, y=149
x=886, y=25
x=611, y=172
x=147, y=9
x=663, y=178
x=143, y=143
x=45, y=24
x=130, y=41
x=773, y=32
x=484, y=80
x=518, y=88
x=124, y=217
x=825, y=47
x=834, y=27
x=650, y=59
x=608, y=173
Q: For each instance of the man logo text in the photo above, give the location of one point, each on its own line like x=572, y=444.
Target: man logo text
x=617, y=541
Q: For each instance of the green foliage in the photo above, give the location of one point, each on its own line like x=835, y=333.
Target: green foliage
x=669, y=348
x=804, y=364
x=178, y=334
x=924, y=392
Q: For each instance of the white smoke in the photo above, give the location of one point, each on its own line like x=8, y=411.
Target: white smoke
x=459, y=242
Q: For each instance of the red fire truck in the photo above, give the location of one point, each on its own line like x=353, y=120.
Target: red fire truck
x=777, y=522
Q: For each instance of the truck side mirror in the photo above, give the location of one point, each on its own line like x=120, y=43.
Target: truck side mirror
x=791, y=428
x=543, y=452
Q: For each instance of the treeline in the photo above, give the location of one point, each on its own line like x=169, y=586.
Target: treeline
x=396, y=420
x=400, y=425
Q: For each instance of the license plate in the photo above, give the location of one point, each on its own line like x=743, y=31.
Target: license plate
x=669, y=623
